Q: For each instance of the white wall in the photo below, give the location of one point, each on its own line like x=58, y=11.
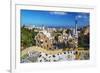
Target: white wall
x=5, y=38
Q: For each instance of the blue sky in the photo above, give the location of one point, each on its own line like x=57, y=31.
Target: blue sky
x=53, y=18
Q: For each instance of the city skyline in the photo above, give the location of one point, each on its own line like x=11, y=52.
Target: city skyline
x=54, y=18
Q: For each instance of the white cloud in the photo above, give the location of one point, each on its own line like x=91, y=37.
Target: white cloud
x=58, y=13
x=81, y=16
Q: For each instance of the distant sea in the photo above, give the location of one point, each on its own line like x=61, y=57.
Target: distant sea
x=55, y=26
x=64, y=27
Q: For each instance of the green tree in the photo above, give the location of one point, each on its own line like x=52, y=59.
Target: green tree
x=26, y=37
x=83, y=40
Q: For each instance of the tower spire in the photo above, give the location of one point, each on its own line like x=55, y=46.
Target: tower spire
x=75, y=27
x=76, y=33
